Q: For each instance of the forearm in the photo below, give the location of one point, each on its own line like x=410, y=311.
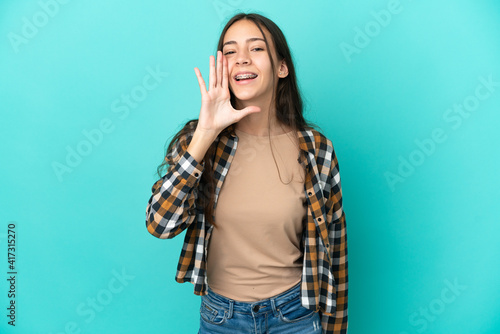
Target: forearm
x=171, y=207
x=200, y=143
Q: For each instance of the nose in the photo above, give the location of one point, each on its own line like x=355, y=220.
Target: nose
x=243, y=58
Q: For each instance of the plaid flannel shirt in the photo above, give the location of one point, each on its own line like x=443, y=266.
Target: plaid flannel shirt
x=172, y=208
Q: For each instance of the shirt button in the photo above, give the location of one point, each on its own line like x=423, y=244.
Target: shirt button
x=309, y=193
x=256, y=308
x=196, y=174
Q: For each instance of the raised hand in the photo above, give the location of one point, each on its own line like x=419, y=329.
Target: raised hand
x=216, y=110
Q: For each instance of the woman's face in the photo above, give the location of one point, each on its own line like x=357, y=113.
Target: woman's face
x=246, y=51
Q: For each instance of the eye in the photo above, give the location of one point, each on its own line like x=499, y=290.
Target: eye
x=257, y=48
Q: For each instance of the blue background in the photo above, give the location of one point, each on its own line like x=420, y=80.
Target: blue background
x=78, y=230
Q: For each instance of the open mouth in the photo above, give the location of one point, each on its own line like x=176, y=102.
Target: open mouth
x=245, y=77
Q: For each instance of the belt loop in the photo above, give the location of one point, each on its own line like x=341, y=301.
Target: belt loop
x=273, y=306
x=231, y=304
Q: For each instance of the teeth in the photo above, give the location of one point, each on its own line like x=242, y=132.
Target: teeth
x=245, y=76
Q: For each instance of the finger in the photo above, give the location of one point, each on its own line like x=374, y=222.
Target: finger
x=211, y=78
x=219, y=68
x=248, y=110
x=201, y=82
x=224, y=72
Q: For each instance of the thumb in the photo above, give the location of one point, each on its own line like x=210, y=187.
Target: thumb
x=250, y=110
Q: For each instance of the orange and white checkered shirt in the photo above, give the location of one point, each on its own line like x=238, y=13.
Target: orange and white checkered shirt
x=173, y=208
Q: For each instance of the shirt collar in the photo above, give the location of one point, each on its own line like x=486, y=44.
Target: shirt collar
x=306, y=138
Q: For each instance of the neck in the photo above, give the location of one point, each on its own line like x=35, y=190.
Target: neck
x=261, y=123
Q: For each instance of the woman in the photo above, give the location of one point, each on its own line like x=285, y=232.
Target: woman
x=265, y=255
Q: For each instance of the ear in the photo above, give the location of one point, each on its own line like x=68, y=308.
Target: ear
x=282, y=70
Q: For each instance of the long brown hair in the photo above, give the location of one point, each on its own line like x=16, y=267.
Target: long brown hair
x=287, y=101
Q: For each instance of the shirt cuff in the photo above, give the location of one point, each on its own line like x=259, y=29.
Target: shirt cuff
x=189, y=169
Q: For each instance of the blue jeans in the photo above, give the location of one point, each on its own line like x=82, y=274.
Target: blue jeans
x=280, y=314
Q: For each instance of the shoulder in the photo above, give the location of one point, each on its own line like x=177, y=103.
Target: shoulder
x=321, y=147
x=316, y=141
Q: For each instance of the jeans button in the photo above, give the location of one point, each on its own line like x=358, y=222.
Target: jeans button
x=256, y=308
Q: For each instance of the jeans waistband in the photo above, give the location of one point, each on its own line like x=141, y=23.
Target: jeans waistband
x=261, y=306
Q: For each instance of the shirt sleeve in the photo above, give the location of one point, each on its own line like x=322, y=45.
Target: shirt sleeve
x=337, y=235
x=172, y=205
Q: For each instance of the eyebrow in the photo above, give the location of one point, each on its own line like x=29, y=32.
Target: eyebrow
x=248, y=40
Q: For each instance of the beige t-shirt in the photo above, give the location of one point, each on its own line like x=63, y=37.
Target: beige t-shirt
x=255, y=252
